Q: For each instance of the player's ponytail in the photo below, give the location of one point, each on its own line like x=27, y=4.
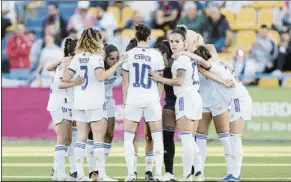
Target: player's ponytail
x=142, y=32
x=203, y=52
x=165, y=48
x=132, y=44
x=70, y=47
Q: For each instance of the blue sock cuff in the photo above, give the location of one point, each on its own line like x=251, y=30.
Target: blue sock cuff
x=224, y=134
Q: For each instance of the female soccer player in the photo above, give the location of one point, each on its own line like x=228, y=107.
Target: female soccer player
x=142, y=99
x=216, y=101
x=111, y=58
x=89, y=99
x=60, y=106
x=188, y=104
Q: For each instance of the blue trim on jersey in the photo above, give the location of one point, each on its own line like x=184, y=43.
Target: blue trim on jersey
x=181, y=69
x=99, y=67
x=236, y=105
x=181, y=104
x=124, y=70
x=72, y=70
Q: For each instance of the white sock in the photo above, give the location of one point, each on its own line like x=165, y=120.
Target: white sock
x=70, y=151
x=187, y=153
x=149, y=160
x=158, y=151
x=135, y=162
x=197, y=157
x=107, y=148
x=237, y=153
x=129, y=151
x=91, y=162
x=60, y=154
x=99, y=155
x=79, y=151
x=225, y=141
x=201, y=141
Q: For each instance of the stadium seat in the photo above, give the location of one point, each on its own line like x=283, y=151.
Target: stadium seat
x=245, y=39
x=116, y=13
x=269, y=82
x=287, y=82
x=34, y=4
x=225, y=56
x=275, y=36
x=265, y=17
x=265, y=4
x=157, y=33
x=128, y=33
x=126, y=14
x=246, y=19
x=229, y=16
x=33, y=23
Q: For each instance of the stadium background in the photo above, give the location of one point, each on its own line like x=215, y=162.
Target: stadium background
x=27, y=129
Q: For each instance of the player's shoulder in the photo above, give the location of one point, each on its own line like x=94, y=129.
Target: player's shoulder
x=183, y=59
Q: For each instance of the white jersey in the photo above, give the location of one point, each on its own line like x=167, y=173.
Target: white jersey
x=90, y=95
x=59, y=97
x=191, y=81
x=212, y=92
x=142, y=90
x=110, y=82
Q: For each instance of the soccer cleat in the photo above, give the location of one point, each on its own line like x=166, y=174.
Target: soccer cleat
x=107, y=178
x=198, y=176
x=168, y=177
x=65, y=178
x=83, y=178
x=74, y=175
x=135, y=174
x=54, y=175
x=229, y=177
x=149, y=176
x=159, y=178
x=130, y=178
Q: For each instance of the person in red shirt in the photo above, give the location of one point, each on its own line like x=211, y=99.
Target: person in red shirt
x=17, y=50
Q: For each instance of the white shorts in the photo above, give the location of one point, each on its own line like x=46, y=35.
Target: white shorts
x=241, y=108
x=152, y=112
x=217, y=109
x=110, y=108
x=190, y=107
x=59, y=115
x=87, y=116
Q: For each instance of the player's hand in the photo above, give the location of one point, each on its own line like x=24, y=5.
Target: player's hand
x=228, y=83
x=79, y=81
x=156, y=76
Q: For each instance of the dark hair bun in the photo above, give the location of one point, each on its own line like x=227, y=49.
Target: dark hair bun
x=142, y=32
x=182, y=28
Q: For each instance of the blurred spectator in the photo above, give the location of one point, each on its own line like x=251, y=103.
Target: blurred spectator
x=167, y=14
x=135, y=19
x=31, y=36
x=8, y=16
x=57, y=21
x=264, y=50
x=103, y=4
x=284, y=57
x=119, y=41
x=243, y=67
x=146, y=9
x=105, y=20
x=199, y=6
x=82, y=18
x=212, y=3
x=217, y=29
x=192, y=19
x=51, y=52
x=17, y=50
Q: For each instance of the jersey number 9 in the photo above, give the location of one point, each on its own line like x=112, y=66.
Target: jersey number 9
x=85, y=68
x=140, y=76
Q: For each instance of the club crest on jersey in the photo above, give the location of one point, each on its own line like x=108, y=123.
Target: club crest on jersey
x=142, y=56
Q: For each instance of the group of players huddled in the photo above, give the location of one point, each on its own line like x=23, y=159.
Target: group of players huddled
x=199, y=88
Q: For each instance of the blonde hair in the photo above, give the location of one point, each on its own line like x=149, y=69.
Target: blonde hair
x=91, y=41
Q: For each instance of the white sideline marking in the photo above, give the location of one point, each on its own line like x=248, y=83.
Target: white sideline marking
x=141, y=154
x=123, y=177
x=142, y=165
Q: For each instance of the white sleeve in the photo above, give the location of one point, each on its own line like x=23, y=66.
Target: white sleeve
x=182, y=63
x=160, y=63
x=98, y=62
x=73, y=65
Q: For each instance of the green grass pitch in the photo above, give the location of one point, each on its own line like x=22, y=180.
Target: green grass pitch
x=262, y=161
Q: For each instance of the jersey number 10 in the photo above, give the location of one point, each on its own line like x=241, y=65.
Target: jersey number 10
x=85, y=68
x=140, y=76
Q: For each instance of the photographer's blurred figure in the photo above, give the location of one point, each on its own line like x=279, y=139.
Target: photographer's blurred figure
x=244, y=67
